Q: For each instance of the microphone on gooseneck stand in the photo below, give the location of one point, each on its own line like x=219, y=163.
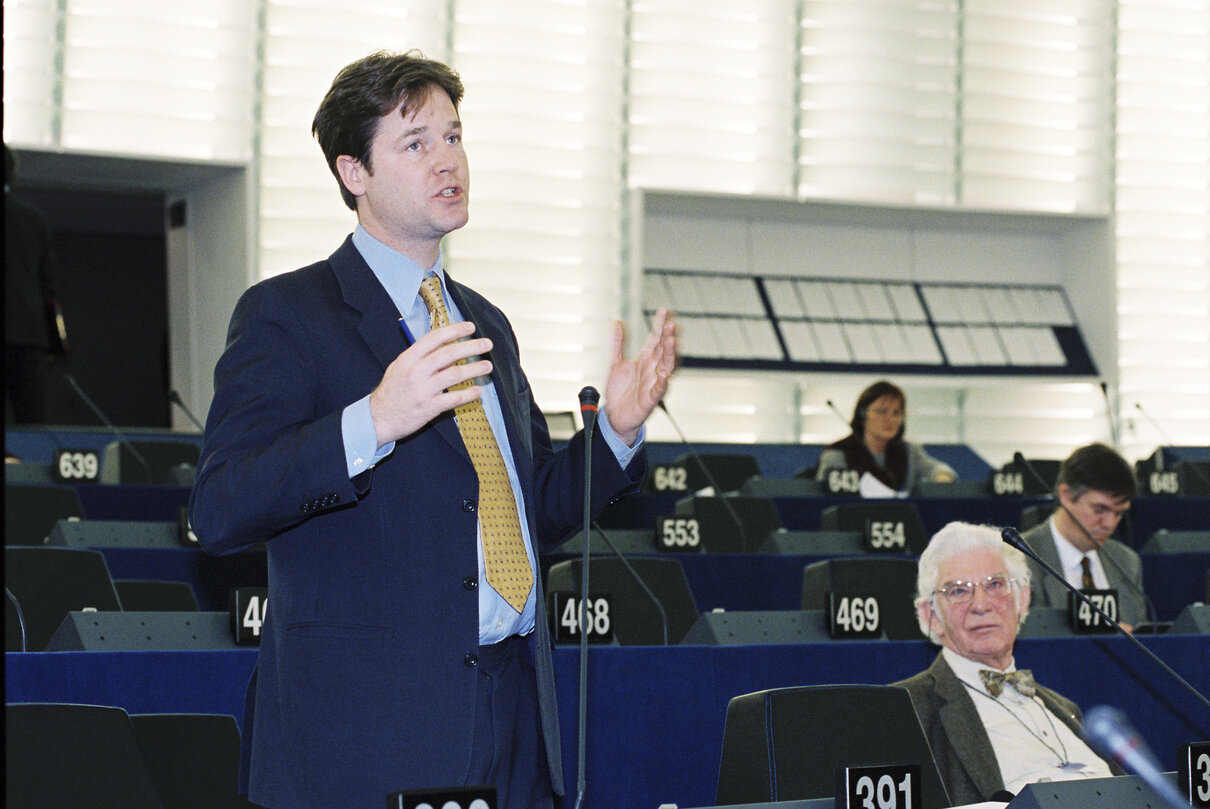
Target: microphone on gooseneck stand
x=639, y=579
x=1148, y=605
x=1109, y=731
x=697, y=458
x=589, y=397
x=1113, y=424
x=175, y=398
x=832, y=406
x=1159, y=458
x=1013, y=537
x=122, y=440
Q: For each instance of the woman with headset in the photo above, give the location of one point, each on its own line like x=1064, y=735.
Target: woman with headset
x=876, y=445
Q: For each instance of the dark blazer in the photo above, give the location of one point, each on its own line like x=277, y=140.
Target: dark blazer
x=955, y=733
x=365, y=680
x=1047, y=591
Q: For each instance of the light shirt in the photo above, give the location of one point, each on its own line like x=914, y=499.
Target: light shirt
x=1069, y=561
x=1012, y=720
x=401, y=278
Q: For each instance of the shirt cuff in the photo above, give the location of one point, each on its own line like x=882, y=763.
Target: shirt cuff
x=361, y=439
x=623, y=453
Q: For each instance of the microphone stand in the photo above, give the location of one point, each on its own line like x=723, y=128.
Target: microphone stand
x=138, y=456
x=697, y=458
x=1168, y=443
x=639, y=579
x=1013, y=537
x=175, y=398
x=836, y=410
x=1148, y=605
x=588, y=410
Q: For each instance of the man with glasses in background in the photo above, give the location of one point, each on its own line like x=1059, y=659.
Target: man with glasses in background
x=992, y=729
x=1093, y=491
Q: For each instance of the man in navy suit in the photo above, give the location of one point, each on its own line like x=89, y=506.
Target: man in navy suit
x=387, y=660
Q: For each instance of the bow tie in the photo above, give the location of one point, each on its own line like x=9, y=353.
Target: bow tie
x=1022, y=680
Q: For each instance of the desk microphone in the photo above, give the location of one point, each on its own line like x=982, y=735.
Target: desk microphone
x=1020, y=461
x=638, y=579
x=175, y=398
x=697, y=458
x=122, y=440
x=1013, y=537
x=1159, y=456
x=589, y=397
x=1109, y=731
x=832, y=406
x=1113, y=424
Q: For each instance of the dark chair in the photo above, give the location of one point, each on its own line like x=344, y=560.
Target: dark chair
x=72, y=757
x=193, y=759
x=787, y=743
x=30, y=512
x=858, y=517
x=891, y=579
x=49, y=583
x=635, y=618
x=146, y=595
x=143, y=461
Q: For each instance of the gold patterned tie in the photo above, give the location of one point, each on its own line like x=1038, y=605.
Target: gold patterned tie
x=508, y=570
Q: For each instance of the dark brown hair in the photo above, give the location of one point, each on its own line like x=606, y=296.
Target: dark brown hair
x=872, y=394
x=1097, y=467
x=363, y=92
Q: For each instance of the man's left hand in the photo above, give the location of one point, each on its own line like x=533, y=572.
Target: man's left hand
x=634, y=388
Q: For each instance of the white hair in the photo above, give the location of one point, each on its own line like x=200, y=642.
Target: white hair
x=958, y=538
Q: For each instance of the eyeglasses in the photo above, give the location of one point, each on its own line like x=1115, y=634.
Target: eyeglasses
x=961, y=592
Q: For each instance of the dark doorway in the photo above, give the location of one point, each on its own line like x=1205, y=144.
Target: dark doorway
x=112, y=282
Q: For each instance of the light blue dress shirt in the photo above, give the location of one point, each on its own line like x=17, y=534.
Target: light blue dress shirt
x=401, y=278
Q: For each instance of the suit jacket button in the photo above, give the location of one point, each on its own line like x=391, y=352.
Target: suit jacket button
x=468, y=505
x=470, y=583
x=471, y=659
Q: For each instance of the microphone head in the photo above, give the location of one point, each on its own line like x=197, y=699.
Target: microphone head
x=1108, y=730
x=589, y=396
x=1013, y=537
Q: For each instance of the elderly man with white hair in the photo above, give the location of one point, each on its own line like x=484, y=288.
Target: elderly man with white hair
x=992, y=729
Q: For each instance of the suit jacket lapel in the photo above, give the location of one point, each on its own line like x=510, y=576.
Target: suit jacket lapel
x=1056, y=593
x=965, y=730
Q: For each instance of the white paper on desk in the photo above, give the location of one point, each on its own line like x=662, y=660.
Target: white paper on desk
x=873, y=488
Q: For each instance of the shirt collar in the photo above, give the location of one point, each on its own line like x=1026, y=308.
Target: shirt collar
x=1069, y=555
x=968, y=670
x=397, y=273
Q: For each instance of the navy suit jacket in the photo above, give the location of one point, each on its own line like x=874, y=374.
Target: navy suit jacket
x=365, y=680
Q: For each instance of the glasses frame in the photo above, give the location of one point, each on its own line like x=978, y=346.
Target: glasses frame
x=1013, y=586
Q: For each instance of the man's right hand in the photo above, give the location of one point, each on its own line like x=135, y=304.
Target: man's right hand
x=415, y=388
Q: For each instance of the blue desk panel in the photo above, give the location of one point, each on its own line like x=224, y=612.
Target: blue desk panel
x=656, y=714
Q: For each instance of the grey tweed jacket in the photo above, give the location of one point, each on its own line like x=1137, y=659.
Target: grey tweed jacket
x=955, y=733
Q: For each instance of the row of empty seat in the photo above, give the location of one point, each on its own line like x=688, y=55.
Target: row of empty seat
x=67, y=755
